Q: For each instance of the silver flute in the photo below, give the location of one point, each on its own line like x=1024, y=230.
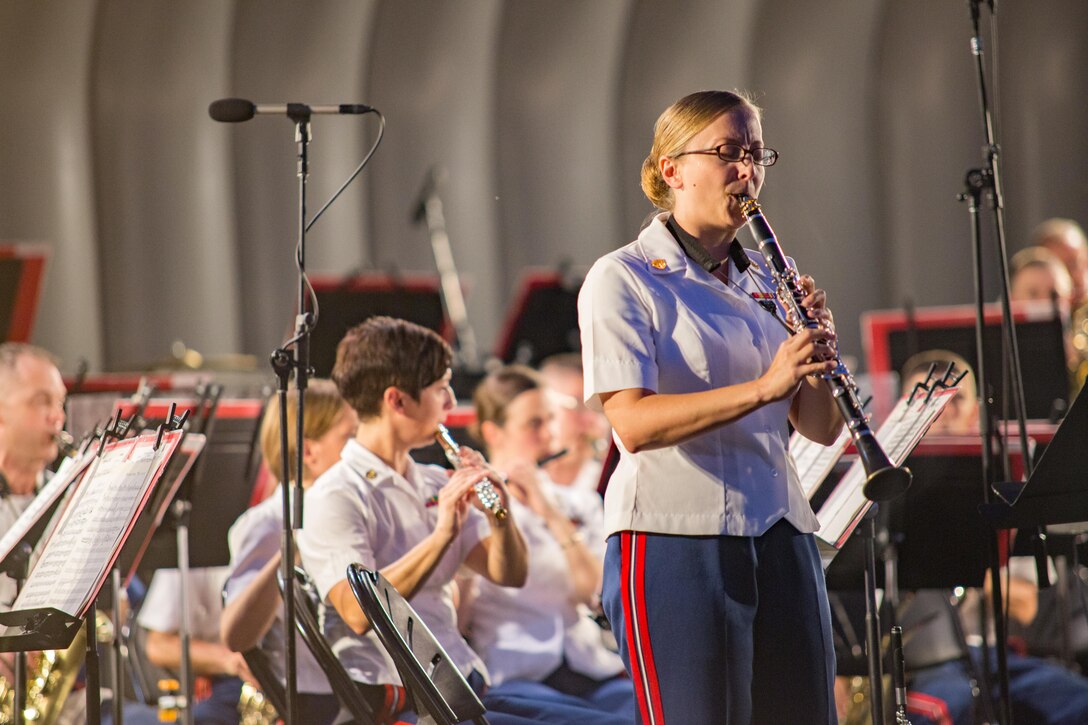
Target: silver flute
x=883, y=480
x=485, y=491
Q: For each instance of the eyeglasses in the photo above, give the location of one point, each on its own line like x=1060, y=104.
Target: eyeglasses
x=761, y=156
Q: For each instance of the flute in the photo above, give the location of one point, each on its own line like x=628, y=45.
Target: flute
x=485, y=491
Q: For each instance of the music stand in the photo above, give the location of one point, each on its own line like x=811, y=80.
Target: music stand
x=935, y=527
x=1057, y=492
x=348, y=301
x=60, y=592
x=543, y=319
x=217, y=486
x=891, y=337
x=209, y=500
x=22, y=267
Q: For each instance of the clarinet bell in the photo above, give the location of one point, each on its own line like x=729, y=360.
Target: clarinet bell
x=883, y=480
x=887, y=483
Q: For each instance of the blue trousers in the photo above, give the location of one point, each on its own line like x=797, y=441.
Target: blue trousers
x=723, y=629
x=221, y=707
x=520, y=702
x=612, y=703
x=1041, y=693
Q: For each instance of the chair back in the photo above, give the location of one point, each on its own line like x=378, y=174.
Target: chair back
x=259, y=664
x=433, y=680
x=307, y=603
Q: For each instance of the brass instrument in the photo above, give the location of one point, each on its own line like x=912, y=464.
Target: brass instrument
x=48, y=683
x=1079, y=341
x=883, y=480
x=485, y=491
x=254, y=708
x=858, y=709
x=66, y=444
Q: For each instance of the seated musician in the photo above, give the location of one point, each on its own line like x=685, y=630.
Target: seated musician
x=32, y=396
x=416, y=524
x=579, y=430
x=539, y=640
x=252, y=613
x=224, y=671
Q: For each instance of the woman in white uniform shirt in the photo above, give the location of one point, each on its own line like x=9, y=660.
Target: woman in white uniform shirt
x=416, y=524
x=712, y=582
x=538, y=640
x=252, y=611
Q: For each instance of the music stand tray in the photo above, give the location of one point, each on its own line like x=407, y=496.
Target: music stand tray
x=1057, y=492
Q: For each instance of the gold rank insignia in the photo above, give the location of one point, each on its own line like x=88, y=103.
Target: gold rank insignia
x=372, y=474
x=658, y=264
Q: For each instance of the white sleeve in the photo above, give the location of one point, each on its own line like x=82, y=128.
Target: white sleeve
x=616, y=321
x=254, y=540
x=335, y=533
x=161, y=610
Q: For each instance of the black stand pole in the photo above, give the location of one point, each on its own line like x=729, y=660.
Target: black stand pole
x=118, y=651
x=872, y=619
x=94, y=679
x=17, y=568
x=283, y=362
x=977, y=180
x=181, y=510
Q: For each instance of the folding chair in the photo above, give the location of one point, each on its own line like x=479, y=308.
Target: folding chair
x=307, y=602
x=259, y=664
x=441, y=695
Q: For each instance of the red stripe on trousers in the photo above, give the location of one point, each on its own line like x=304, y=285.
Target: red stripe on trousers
x=930, y=707
x=635, y=616
x=629, y=626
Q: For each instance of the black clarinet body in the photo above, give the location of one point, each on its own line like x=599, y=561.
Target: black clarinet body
x=883, y=480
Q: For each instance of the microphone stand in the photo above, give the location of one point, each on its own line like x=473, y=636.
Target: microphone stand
x=988, y=178
x=429, y=209
x=284, y=360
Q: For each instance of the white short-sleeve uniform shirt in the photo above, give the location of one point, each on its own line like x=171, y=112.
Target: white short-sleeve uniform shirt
x=527, y=632
x=161, y=610
x=362, y=511
x=254, y=539
x=651, y=318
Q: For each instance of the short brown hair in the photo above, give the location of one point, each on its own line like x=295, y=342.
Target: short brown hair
x=676, y=126
x=497, y=391
x=323, y=408
x=385, y=352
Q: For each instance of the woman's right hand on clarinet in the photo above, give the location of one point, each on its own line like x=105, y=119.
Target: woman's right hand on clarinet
x=797, y=357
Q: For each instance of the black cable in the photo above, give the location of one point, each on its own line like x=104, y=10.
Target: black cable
x=310, y=293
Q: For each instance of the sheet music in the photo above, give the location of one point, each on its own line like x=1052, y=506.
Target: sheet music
x=898, y=436
x=69, y=469
x=814, y=461
x=101, y=513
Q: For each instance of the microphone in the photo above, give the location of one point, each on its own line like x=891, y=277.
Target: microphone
x=236, y=110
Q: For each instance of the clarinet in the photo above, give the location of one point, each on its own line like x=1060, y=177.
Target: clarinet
x=883, y=480
x=485, y=491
